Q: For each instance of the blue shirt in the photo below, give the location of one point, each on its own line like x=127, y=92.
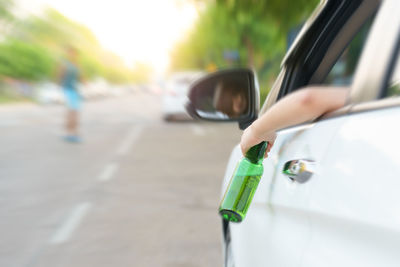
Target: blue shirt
x=70, y=77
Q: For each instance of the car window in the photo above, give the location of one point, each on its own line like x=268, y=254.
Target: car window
x=393, y=88
x=343, y=71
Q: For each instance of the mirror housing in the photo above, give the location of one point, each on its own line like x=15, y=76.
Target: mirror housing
x=227, y=95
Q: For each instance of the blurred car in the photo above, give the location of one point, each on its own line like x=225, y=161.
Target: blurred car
x=49, y=93
x=329, y=192
x=96, y=89
x=174, y=95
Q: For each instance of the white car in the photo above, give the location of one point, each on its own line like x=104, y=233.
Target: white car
x=175, y=92
x=346, y=212
x=49, y=93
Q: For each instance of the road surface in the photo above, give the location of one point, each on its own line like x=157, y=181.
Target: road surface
x=137, y=192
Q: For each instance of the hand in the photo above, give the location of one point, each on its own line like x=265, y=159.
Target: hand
x=269, y=146
x=251, y=138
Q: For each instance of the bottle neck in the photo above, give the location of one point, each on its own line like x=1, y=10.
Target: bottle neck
x=256, y=153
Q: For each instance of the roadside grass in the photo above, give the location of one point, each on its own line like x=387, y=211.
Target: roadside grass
x=7, y=99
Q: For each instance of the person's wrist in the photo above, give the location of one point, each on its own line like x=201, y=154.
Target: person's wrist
x=254, y=134
x=260, y=133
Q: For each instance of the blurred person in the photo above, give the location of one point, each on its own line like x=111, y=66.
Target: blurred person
x=231, y=98
x=69, y=78
x=300, y=106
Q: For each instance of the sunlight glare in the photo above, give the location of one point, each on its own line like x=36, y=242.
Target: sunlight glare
x=136, y=30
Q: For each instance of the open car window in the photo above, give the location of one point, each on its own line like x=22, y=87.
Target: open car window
x=343, y=70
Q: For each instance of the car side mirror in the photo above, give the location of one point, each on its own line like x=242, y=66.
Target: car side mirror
x=227, y=95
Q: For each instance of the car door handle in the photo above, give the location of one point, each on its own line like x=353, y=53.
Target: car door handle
x=299, y=170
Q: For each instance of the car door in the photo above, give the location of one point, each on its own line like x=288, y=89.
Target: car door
x=283, y=226
x=353, y=211
x=278, y=229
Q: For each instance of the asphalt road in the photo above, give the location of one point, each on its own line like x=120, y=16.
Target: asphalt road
x=137, y=192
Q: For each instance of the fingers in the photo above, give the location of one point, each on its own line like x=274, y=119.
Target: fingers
x=269, y=146
x=250, y=138
x=246, y=141
x=243, y=148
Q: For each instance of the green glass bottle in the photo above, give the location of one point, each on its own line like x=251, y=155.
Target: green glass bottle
x=243, y=184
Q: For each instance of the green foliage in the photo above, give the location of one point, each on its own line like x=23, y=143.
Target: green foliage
x=256, y=30
x=25, y=61
x=57, y=33
x=90, y=66
x=5, y=10
x=141, y=72
x=36, y=46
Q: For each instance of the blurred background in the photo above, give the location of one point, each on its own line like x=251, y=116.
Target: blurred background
x=142, y=185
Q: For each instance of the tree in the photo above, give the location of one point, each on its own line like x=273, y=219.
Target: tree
x=24, y=61
x=50, y=35
x=255, y=30
x=6, y=16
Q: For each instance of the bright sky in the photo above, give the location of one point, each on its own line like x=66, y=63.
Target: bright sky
x=137, y=30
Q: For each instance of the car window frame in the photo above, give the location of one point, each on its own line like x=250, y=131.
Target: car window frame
x=395, y=62
x=382, y=101
x=297, y=50
x=354, y=105
x=312, y=48
x=371, y=80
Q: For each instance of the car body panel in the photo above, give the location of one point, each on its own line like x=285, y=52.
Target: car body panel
x=278, y=218
x=354, y=204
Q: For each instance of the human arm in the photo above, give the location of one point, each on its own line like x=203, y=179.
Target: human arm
x=300, y=106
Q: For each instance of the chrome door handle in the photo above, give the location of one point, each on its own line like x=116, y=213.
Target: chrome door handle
x=299, y=170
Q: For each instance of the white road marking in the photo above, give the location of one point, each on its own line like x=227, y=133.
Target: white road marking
x=128, y=141
x=108, y=172
x=68, y=227
x=198, y=130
